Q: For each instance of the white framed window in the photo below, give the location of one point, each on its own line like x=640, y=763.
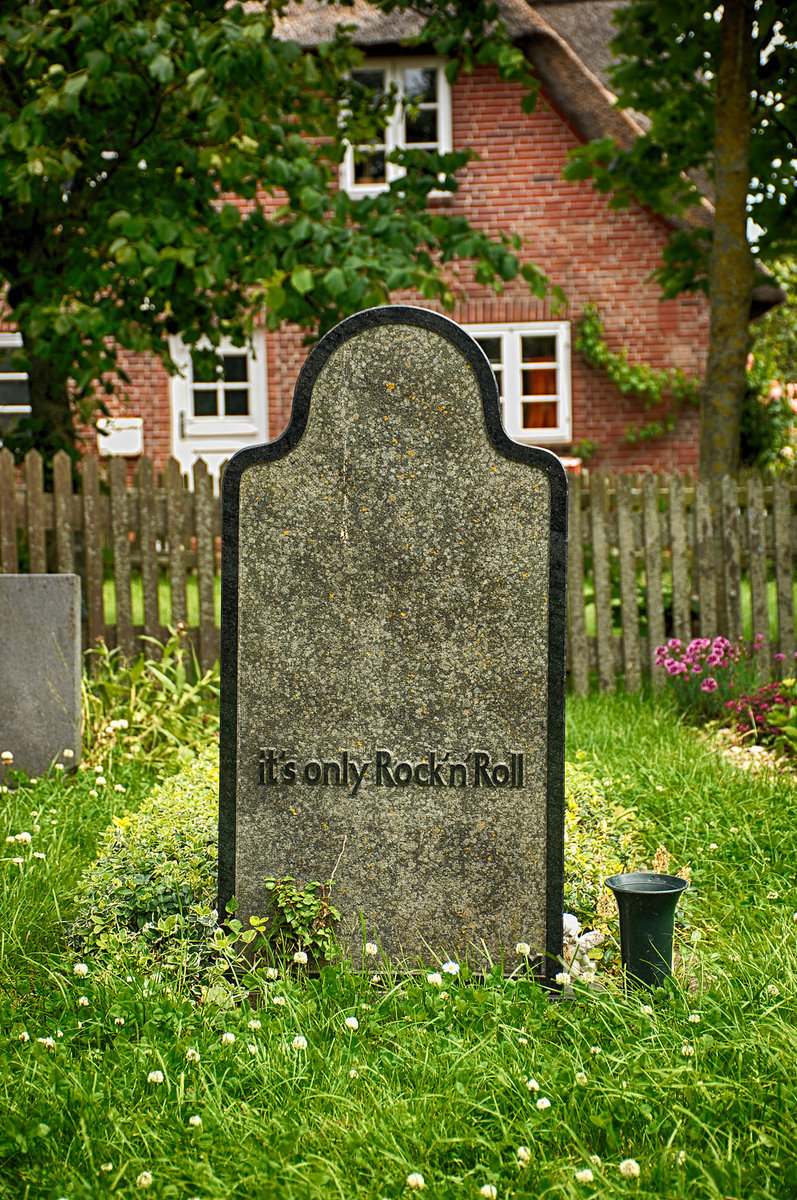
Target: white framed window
x=532, y=367
x=218, y=401
x=14, y=395
x=421, y=120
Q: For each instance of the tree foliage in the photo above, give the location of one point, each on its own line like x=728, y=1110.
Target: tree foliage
x=717, y=89
x=127, y=130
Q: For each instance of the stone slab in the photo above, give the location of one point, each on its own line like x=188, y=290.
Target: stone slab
x=393, y=616
x=40, y=669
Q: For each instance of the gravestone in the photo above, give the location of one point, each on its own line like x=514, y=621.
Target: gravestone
x=40, y=670
x=393, y=617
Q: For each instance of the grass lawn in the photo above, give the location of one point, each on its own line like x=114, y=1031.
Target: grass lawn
x=114, y=1084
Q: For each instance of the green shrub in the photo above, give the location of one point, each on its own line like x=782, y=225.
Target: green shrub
x=150, y=894
x=600, y=840
x=152, y=889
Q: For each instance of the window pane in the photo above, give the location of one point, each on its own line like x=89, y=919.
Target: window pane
x=538, y=348
x=421, y=126
x=420, y=83
x=371, y=78
x=235, y=368
x=491, y=347
x=205, y=403
x=13, y=391
x=541, y=382
x=205, y=367
x=540, y=414
x=236, y=402
x=369, y=166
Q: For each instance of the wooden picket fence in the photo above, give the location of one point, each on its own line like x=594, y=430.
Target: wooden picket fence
x=649, y=558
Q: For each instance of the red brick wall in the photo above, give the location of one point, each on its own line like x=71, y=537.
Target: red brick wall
x=592, y=252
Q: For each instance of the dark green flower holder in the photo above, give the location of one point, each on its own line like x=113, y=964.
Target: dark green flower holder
x=646, y=902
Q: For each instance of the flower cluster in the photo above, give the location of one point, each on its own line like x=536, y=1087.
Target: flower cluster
x=707, y=671
x=764, y=712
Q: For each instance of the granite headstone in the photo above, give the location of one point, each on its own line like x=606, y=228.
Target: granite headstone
x=40, y=670
x=393, y=616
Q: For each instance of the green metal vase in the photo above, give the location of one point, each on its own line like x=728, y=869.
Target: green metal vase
x=646, y=902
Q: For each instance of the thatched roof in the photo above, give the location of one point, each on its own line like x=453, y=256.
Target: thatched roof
x=567, y=45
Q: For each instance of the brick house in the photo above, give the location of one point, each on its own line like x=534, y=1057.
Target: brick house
x=594, y=253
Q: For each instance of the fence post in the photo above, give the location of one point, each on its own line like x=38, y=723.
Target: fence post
x=34, y=512
x=9, y=563
x=577, y=633
x=599, y=512
x=784, y=574
x=628, y=596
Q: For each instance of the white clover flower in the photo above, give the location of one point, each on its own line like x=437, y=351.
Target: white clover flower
x=681, y=1159
x=68, y=753
x=58, y=766
x=118, y=1020
x=299, y=1042
x=195, y=1121
x=80, y=969
x=595, y=1050
x=6, y=756
x=192, y=1055
x=435, y=978
x=38, y=854
x=595, y=1159
x=543, y=1103
x=300, y=957
x=22, y=837
x=352, y=1023
x=371, y=949
x=272, y=973
x=353, y=1073
x=376, y=979
x=47, y=1042
x=772, y=895
x=24, y=1036
x=581, y=1078
x=11, y=838
x=523, y=949
x=694, y=1018
x=101, y=781
x=647, y=1010
x=106, y=1167
x=278, y=1000
x=254, y=1024
x=450, y=968
x=629, y=1168
x=561, y=977
x=532, y=1085
x=83, y=1001
x=119, y=787
x=523, y=1041
x=772, y=989
x=252, y=1048
x=444, y=995
x=155, y=1077
x=584, y=1176
x=144, y=1180
x=93, y=792
x=227, y=1038
x=416, y=1181
x=489, y=1191
x=523, y=1156
x=687, y=1050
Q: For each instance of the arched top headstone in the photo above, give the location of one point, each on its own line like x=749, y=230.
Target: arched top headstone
x=393, y=614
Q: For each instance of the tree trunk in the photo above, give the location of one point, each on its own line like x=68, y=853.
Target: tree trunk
x=731, y=271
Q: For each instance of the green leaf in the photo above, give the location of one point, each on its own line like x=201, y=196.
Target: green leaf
x=162, y=68
x=335, y=281
x=301, y=279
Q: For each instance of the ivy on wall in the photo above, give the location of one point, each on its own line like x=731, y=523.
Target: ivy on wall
x=648, y=385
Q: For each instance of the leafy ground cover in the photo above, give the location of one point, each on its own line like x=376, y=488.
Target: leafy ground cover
x=116, y=1079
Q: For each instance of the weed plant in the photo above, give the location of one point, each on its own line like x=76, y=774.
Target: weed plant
x=114, y=1083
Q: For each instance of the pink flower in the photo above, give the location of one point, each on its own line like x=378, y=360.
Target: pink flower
x=749, y=364
x=709, y=684
x=775, y=390
x=780, y=657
